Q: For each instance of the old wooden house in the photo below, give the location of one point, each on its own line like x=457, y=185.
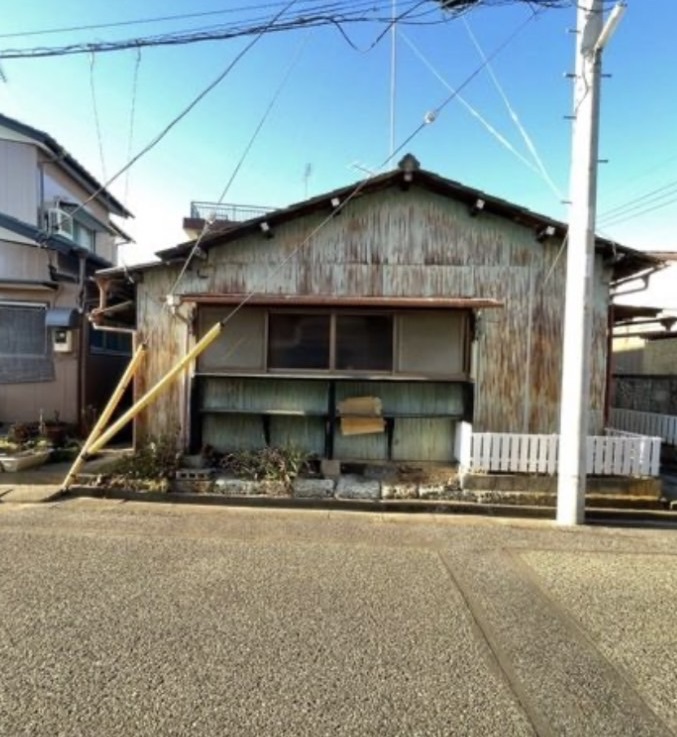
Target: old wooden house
x=365, y=323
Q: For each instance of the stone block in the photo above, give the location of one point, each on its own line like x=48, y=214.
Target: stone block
x=399, y=491
x=357, y=487
x=313, y=488
x=236, y=487
x=330, y=469
x=272, y=488
x=193, y=486
x=436, y=491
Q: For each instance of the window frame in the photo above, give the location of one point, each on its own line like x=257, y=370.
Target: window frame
x=44, y=306
x=331, y=368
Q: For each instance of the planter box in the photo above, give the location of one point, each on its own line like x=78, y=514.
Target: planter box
x=22, y=461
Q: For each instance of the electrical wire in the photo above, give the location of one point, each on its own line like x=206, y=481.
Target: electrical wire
x=337, y=15
x=200, y=96
x=363, y=183
x=472, y=110
x=95, y=110
x=132, y=120
x=207, y=225
x=136, y=22
x=515, y=118
x=640, y=202
x=641, y=213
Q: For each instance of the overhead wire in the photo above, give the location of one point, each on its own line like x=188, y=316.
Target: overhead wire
x=266, y=113
x=641, y=213
x=95, y=110
x=137, y=21
x=472, y=110
x=514, y=116
x=337, y=14
x=184, y=112
x=642, y=201
x=335, y=210
x=132, y=121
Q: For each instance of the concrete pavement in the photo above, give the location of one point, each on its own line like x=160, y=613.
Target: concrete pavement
x=128, y=619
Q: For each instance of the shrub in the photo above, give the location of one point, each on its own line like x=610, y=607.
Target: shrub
x=266, y=464
x=151, y=466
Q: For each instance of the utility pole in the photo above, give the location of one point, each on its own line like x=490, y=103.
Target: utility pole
x=591, y=37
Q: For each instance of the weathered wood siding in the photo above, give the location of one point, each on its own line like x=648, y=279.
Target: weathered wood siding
x=405, y=243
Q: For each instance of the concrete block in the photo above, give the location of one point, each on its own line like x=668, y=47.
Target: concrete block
x=194, y=474
x=357, y=487
x=399, y=491
x=330, y=469
x=313, y=488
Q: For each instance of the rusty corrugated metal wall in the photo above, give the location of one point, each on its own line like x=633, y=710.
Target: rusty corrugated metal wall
x=404, y=243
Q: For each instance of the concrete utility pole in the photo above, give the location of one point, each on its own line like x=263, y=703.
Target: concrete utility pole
x=591, y=38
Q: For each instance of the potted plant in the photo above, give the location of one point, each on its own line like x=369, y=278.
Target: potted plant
x=19, y=450
x=54, y=430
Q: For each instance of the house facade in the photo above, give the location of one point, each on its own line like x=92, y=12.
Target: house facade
x=56, y=230
x=366, y=323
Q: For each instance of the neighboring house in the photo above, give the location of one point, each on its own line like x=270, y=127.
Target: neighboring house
x=433, y=300
x=644, y=362
x=55, y=231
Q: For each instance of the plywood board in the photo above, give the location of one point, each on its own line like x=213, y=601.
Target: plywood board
x=360, y=406
x=362, y=425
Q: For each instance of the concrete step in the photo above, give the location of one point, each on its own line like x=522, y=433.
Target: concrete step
x=547, y=499
x=612, y=485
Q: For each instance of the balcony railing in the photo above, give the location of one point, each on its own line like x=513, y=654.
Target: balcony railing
x=227, y=211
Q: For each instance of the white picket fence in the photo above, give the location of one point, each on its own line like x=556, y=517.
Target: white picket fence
x=645, y=423
x=615, y=454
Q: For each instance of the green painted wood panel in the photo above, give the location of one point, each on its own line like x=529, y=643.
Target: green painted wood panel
x=425, y=398
x=423, y=439
x=261, y=395
x=303, y=433
x=233, y=432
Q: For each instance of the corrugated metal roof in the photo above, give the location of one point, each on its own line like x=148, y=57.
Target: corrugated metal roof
x=628, y=260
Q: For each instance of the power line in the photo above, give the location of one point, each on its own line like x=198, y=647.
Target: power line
x=472, y=110
x=95, y=110
x=337, y=15
x=184, y=112
x=639, y=202
x=132, y=120
x=645, y=211
x=363, y=183
x=205, y=229
x=515, y=118
x=135, y=22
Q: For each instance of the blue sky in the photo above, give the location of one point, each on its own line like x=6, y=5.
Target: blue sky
x=334, y=109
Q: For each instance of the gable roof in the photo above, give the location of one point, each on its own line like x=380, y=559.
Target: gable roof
x=56, y=242
x=72, y=165
x=627, y=261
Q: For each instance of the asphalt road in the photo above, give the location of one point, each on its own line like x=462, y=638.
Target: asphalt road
x=138, y=619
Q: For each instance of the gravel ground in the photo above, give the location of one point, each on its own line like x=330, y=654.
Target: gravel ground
x=142, y=619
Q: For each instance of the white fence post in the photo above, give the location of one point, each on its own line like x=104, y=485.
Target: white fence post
x=462, y=445
x=650, y=424
x=618, y=453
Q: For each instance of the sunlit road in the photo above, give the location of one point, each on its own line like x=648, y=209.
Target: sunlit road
x=139, y=619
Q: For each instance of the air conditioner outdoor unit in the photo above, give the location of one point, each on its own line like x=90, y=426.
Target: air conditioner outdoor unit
x=60, y=222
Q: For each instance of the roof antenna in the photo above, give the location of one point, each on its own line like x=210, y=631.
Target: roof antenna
x=306, y=176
